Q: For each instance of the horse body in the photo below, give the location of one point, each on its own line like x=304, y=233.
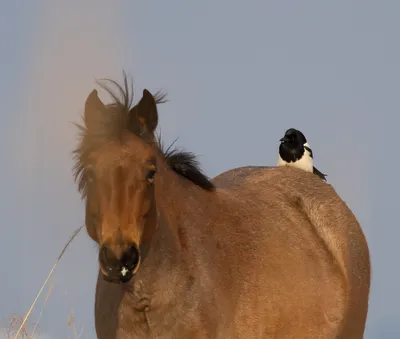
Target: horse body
x=271, y=276
x=259, y=253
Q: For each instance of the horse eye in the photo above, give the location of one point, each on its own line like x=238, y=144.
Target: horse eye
x=90, y=175
x=150, y=175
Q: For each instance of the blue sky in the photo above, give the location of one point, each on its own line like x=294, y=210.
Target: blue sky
x=238, y=75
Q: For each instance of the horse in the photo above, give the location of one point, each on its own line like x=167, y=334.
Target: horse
x=256, y=252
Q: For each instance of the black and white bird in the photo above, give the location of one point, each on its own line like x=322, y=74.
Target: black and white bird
x=295, y=151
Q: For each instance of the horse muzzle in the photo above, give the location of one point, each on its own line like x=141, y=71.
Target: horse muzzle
x=119, y=270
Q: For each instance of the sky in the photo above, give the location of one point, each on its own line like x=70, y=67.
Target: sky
x=238, y=74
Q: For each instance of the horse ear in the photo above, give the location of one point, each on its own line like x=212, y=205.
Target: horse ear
x=146, y=112
x=94, y=109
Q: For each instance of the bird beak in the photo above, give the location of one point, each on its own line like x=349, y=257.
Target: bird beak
x=283, y=140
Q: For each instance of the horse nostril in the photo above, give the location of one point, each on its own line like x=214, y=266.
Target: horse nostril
x=130, y=258
x=108, y=259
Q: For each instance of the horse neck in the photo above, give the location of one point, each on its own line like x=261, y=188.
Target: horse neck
x=181, y=211
x=182, y=206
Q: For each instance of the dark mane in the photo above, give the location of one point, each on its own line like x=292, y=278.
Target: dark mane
x=186, y=165
x=116, y=122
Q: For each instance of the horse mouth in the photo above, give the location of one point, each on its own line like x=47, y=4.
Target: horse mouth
x=118, y=278
x=120, y=275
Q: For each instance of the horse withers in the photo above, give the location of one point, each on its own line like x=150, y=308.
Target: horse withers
x=257, y=252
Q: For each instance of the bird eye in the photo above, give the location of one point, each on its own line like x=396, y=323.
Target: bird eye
x=150, y=175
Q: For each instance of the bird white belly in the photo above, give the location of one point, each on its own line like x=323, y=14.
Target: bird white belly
x=306, y=163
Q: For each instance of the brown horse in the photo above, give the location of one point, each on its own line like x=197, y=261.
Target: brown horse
x=260, y=252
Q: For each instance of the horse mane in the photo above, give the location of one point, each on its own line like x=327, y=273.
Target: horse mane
x=183, y=163
x=186, y=165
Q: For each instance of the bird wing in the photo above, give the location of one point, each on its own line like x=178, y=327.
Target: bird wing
x=309, y=150
x=320, y=174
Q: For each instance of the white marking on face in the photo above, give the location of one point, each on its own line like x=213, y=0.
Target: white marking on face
x=124, y=271
x=306, y=163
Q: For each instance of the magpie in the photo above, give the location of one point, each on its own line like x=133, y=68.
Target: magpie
x=295, y=151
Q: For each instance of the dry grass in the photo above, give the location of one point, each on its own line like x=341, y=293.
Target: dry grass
x=18, y=327
x=31, y=330
x=15, y=322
